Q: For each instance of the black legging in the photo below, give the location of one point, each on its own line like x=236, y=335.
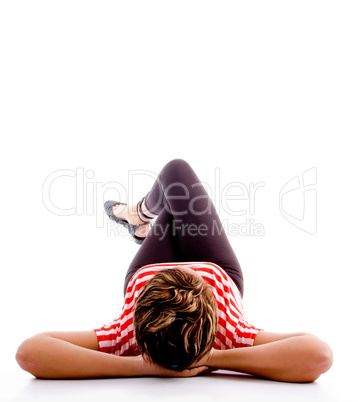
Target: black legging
x=188, y=227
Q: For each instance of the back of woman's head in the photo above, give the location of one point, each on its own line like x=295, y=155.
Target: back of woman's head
x=175, y=319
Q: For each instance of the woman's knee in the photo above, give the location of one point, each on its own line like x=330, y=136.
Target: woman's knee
x=178, y=164
x=177, y=170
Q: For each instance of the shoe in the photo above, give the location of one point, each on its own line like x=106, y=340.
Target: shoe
x=108, y=207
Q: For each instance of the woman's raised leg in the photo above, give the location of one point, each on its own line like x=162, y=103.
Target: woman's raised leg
x=188, y=227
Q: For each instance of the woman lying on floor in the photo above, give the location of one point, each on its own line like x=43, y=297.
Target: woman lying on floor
x=183, y=313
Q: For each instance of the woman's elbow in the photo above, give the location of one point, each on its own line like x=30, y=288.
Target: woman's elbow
x=322, y=360
x=25, y=355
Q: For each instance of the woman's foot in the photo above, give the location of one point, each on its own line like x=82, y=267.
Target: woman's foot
x=132, y=215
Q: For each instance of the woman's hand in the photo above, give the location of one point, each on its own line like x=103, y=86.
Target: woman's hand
x=151, y=369
x=207, y=360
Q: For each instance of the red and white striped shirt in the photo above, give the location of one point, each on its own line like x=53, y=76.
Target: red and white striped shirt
x=233, y=330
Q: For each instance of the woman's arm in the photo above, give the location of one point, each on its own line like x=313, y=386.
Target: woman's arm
x=71, y=355
x=267, y=337
x=294, y=358
x=76, y=355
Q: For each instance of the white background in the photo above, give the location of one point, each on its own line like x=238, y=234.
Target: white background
x=248, y=91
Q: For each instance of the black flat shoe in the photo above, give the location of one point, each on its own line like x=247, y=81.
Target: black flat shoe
x=108, y=207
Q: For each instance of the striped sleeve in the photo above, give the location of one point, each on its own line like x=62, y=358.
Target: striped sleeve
x=109, y=337
x=245, y=334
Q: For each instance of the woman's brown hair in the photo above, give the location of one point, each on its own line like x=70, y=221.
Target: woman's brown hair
x=175, y=319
